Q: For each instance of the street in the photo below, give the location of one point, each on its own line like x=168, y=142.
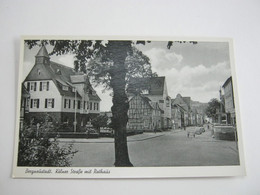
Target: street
x=170, y=148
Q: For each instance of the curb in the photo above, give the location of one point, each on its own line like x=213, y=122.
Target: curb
x=108, y=141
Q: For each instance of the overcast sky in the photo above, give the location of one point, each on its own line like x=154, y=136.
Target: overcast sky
x=194, y=70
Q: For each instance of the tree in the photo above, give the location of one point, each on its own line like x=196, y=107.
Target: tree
x=110, y=64
x=212, y=108
x=36, y=149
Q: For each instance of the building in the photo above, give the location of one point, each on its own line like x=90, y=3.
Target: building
x=143, y=114
x=155, y=89
x=59, y=93
x=179, y=116
x=191, y=112
x=185, y=103
x=229, y=102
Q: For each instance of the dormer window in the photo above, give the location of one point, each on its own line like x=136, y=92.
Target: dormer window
x=39, y=71
x=65, y=88
x=58, y=71
x=73, y=89
x=145, y=91
x=94, y=93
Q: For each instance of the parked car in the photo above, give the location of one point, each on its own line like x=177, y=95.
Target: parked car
x=92, y=133
x=106, y=132
x=195, y=131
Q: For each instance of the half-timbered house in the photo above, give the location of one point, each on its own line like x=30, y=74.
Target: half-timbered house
x=143, y=114
x=155, y=89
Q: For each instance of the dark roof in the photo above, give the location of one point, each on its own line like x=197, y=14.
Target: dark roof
x=177, y=105
x=61, y=75
x=43, y=52
x=187, y=100
x=94, y=97
x=152, y=105
x=227, y=81
x=155, y=85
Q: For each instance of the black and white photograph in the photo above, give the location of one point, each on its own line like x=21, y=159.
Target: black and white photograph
x=102, y=107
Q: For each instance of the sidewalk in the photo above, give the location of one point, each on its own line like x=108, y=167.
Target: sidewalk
x=133, y=138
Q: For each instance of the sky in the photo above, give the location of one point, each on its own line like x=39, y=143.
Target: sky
x=194, y=70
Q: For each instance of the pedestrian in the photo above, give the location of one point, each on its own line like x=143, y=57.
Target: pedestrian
x=155, y=128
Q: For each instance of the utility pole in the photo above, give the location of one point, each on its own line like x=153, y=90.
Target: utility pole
x=75, y=113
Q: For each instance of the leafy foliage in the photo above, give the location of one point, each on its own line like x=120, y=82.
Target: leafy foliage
x=213, y=107
x=36, y=149
x=100, y=121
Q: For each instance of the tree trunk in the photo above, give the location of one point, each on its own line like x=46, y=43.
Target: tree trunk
x=120, y=104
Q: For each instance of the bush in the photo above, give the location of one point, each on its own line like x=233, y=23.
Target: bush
x=35, y=150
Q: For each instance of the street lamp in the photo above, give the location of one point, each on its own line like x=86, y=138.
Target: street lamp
x=75, y=113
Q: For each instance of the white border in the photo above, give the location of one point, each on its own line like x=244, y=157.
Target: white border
x=133, y=172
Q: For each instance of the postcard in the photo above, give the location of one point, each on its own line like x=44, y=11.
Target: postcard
x=127, y=107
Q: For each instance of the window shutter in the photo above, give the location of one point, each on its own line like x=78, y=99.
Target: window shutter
x=65, y=101
x=48, y=86
x=97, y=106
x=28, y=86
x=78, y=104
x=31, y=103
x=40, y=86
x=38, y=103
x=46, y=103
x=53, y=103
x=35, y=85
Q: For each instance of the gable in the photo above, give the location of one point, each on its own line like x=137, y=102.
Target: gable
x=139, y=101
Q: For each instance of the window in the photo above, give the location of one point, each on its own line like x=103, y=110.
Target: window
x=74, y=104
x=33, y=86
x=145, y=91
x=35, y=103
x=94, y=106
x=87, y=104
x=97, y=106
x=39, y=71
x=66, y=103
x=44, y=86
x=73, y=89
x=65, y=88
x=49, y=103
